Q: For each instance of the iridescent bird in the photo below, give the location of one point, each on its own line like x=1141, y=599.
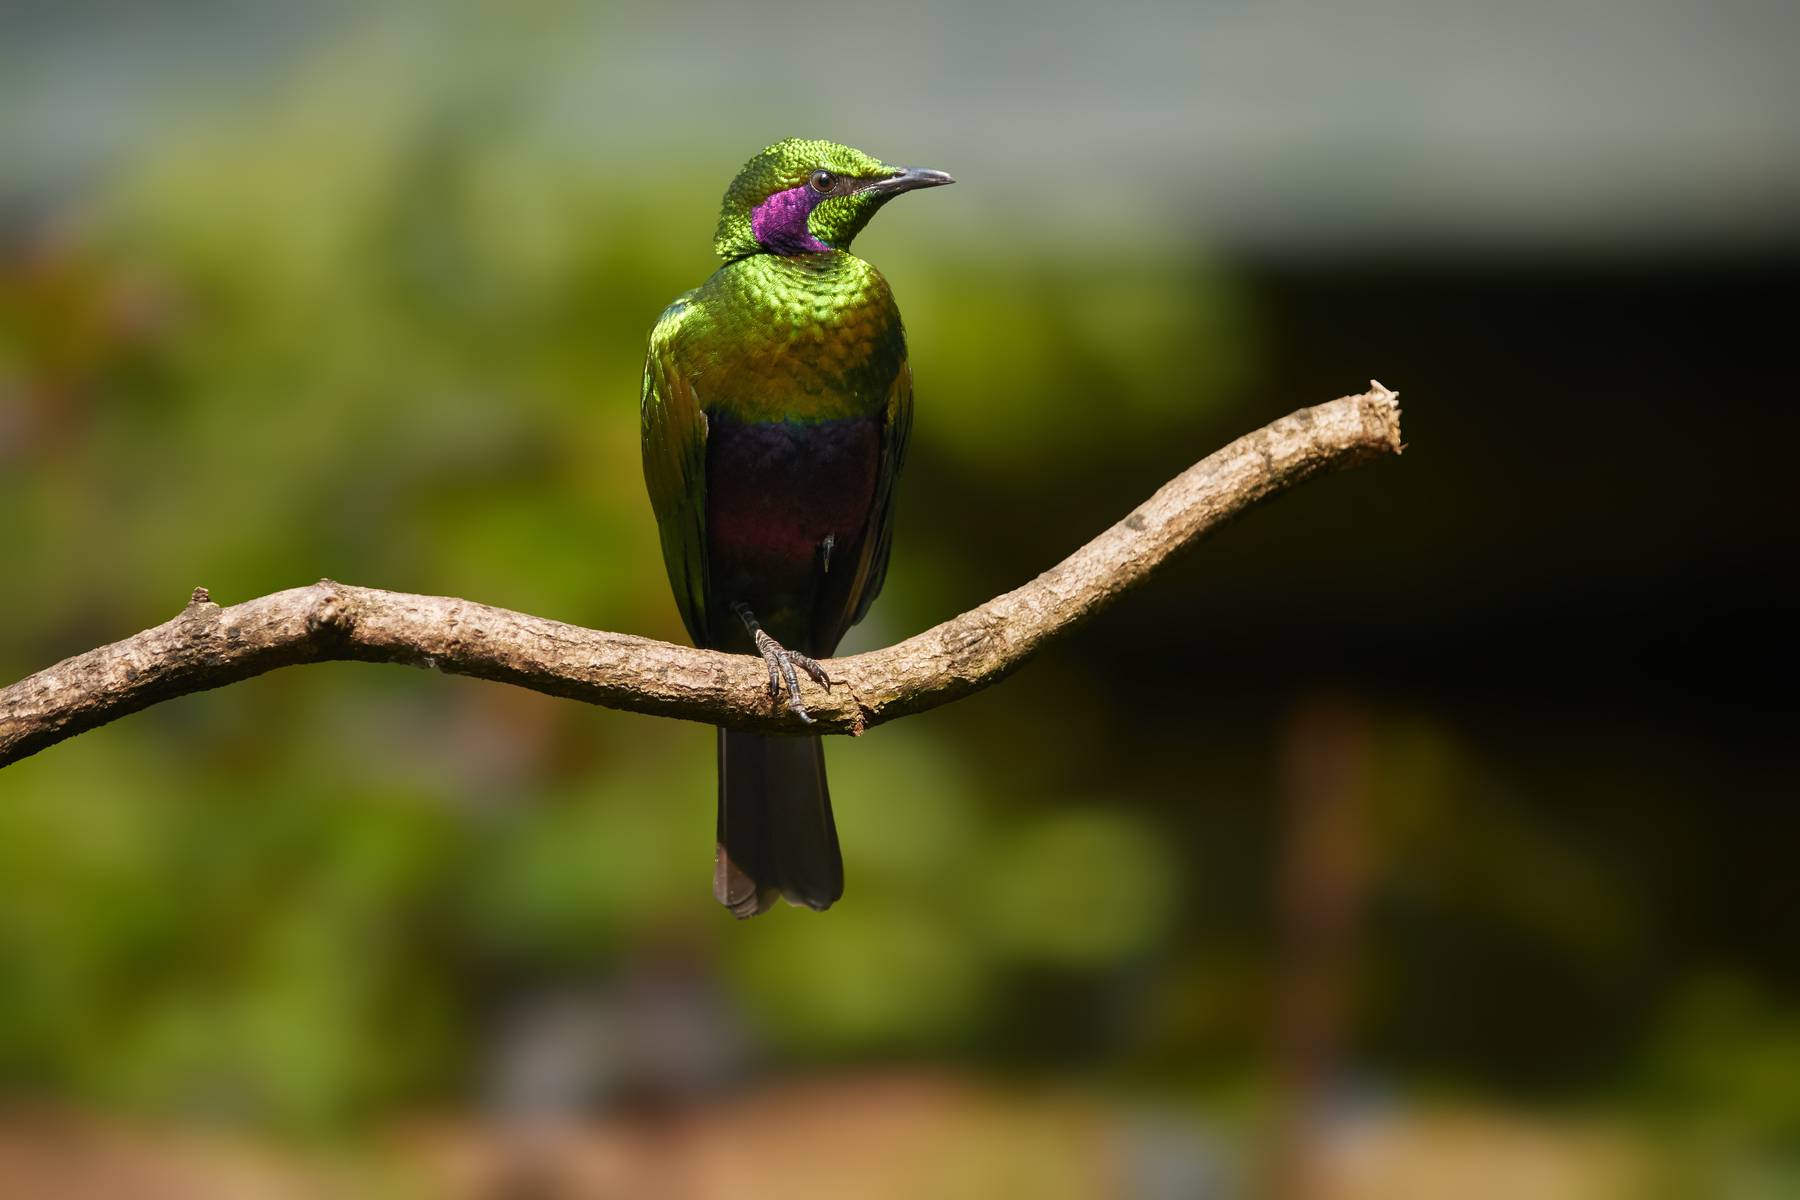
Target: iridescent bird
x=776, y=406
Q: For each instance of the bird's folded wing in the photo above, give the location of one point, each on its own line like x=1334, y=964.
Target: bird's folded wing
x=674, y=437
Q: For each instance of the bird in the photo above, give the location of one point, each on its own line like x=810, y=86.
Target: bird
x=775, y=410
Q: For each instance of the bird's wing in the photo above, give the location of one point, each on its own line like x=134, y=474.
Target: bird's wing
x=674, y=436
x=870, y=570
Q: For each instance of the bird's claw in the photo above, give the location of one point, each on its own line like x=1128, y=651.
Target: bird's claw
x=781, y=662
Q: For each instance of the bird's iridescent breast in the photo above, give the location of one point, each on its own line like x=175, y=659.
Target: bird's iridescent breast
x=813, y=337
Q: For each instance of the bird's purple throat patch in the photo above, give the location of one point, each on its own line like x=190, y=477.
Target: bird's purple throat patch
x=779, y=222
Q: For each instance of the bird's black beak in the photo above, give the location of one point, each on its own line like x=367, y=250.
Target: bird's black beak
x=907, y=180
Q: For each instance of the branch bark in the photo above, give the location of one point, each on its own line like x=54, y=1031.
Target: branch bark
x=207, y=646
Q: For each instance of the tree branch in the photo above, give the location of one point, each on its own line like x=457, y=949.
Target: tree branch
x=207, y=646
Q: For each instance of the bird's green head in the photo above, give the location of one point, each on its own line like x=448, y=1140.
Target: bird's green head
x=803, y=197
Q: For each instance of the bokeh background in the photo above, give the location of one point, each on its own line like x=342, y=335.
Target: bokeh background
x=1430, y=832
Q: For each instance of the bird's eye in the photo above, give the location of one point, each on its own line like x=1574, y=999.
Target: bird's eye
x=823, y=181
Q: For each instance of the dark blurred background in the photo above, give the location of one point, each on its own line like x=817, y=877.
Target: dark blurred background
x=1430, y=832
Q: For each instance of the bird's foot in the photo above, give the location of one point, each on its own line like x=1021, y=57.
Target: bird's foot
x=782, y=664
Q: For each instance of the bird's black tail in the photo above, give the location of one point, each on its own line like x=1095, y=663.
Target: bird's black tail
x=776, y=835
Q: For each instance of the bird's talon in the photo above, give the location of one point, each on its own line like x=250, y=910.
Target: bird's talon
x=813, y=669
x=781, y=663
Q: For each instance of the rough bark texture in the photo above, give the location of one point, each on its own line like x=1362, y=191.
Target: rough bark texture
x=207, y=646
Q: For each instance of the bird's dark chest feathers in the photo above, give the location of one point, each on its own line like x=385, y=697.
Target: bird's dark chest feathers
x=776, y=490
